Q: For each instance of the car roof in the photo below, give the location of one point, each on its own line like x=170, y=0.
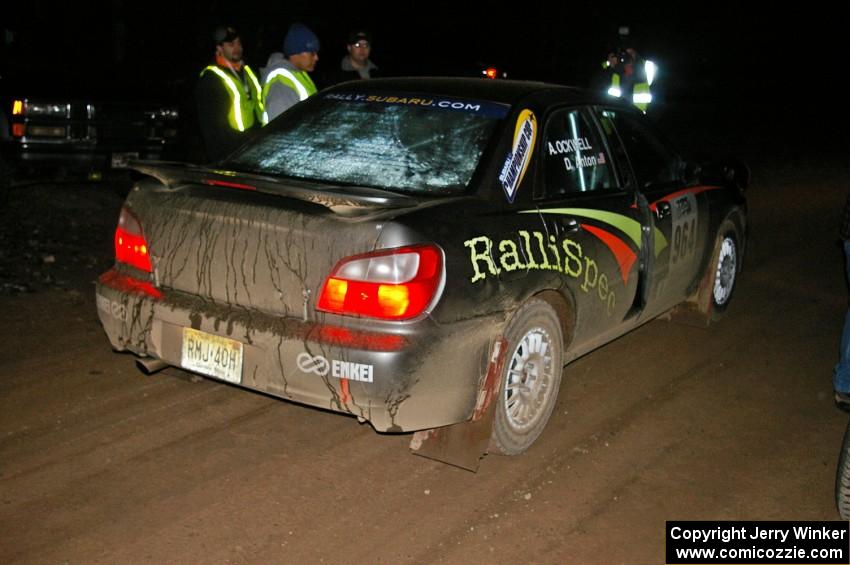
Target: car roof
x=503, y=91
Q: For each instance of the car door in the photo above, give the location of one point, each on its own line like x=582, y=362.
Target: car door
x=679, y=213
x=590, y=211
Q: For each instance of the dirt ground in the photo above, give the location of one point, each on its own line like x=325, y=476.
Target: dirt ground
x=101, y=464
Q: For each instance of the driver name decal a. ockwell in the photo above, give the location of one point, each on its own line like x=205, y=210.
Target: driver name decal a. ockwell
x=517, y=161
x=539, y=253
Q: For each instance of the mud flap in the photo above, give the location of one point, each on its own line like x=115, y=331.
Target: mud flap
x=463, y=445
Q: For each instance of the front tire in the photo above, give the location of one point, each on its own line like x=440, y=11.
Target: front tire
x=530, y=379
x=725, y=265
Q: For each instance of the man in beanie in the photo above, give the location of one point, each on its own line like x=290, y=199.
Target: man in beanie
x=285, y=78
x=228, y=97
x=356, y=64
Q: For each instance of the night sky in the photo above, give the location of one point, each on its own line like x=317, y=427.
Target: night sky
x=717, y=54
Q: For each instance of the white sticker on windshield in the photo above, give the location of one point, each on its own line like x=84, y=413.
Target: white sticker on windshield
x=517, y=161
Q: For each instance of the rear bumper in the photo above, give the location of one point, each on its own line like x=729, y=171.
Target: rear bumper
x=404, y=377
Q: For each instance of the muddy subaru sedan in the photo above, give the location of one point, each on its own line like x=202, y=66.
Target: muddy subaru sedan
x=423, y=254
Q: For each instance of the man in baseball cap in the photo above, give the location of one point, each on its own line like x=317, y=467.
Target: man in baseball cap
x=224, y=34
x=356, y=64
x=228, y=96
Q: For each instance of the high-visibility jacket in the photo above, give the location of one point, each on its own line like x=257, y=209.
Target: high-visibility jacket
x=641, y=89
x=246, y=105
x=299, y=81
x=642, y=96
x=615, y=90
x=642, y=92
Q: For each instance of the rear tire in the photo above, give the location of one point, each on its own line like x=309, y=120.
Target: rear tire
x=530, y=379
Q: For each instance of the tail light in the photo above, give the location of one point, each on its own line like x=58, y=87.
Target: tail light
x=397, y=284
x=130, y=245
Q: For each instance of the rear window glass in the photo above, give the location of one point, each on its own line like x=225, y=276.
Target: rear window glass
x=405, y=142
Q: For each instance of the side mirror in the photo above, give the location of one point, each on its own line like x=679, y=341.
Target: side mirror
x=738, y=172
x=729, y=170
x=690, y=171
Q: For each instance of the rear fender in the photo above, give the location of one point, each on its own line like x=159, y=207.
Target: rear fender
x=463, y=445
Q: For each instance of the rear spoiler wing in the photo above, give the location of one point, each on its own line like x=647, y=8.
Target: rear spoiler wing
x=342, y=200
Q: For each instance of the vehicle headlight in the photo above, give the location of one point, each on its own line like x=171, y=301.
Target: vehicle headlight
x=33, y=108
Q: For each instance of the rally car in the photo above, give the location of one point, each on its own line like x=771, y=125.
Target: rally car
x=422, y=253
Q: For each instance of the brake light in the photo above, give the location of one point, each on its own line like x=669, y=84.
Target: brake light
x=131, y=247
x=397, y=284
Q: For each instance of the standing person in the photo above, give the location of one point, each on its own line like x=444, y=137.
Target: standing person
x=285, y=77
x=642, y=72
x=608, y=79
x=626, y=70
x=841, y=373
x=841, y=382
x=228, y=97
x=356, y=64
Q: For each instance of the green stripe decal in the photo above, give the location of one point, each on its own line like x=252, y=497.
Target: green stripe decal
x=625, y=224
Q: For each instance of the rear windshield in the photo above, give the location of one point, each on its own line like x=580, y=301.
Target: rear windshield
x=405, y=142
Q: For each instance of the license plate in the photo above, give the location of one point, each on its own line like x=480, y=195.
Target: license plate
x=212, y=355
x=121, y=160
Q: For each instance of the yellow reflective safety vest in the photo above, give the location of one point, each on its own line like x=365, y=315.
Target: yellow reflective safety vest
x=642, y=96
x=642, y=92
x=299, y=81
x=246, y=107
x=615, y=90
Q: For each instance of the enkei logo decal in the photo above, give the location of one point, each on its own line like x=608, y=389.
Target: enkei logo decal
x=338, y=369
x=309, y=364
x=517, y=161
x=352, y=371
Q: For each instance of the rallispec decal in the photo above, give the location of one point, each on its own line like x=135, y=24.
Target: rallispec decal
x=629, y=226
x=541, y=254
x=517, y=161
x=338, y=369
